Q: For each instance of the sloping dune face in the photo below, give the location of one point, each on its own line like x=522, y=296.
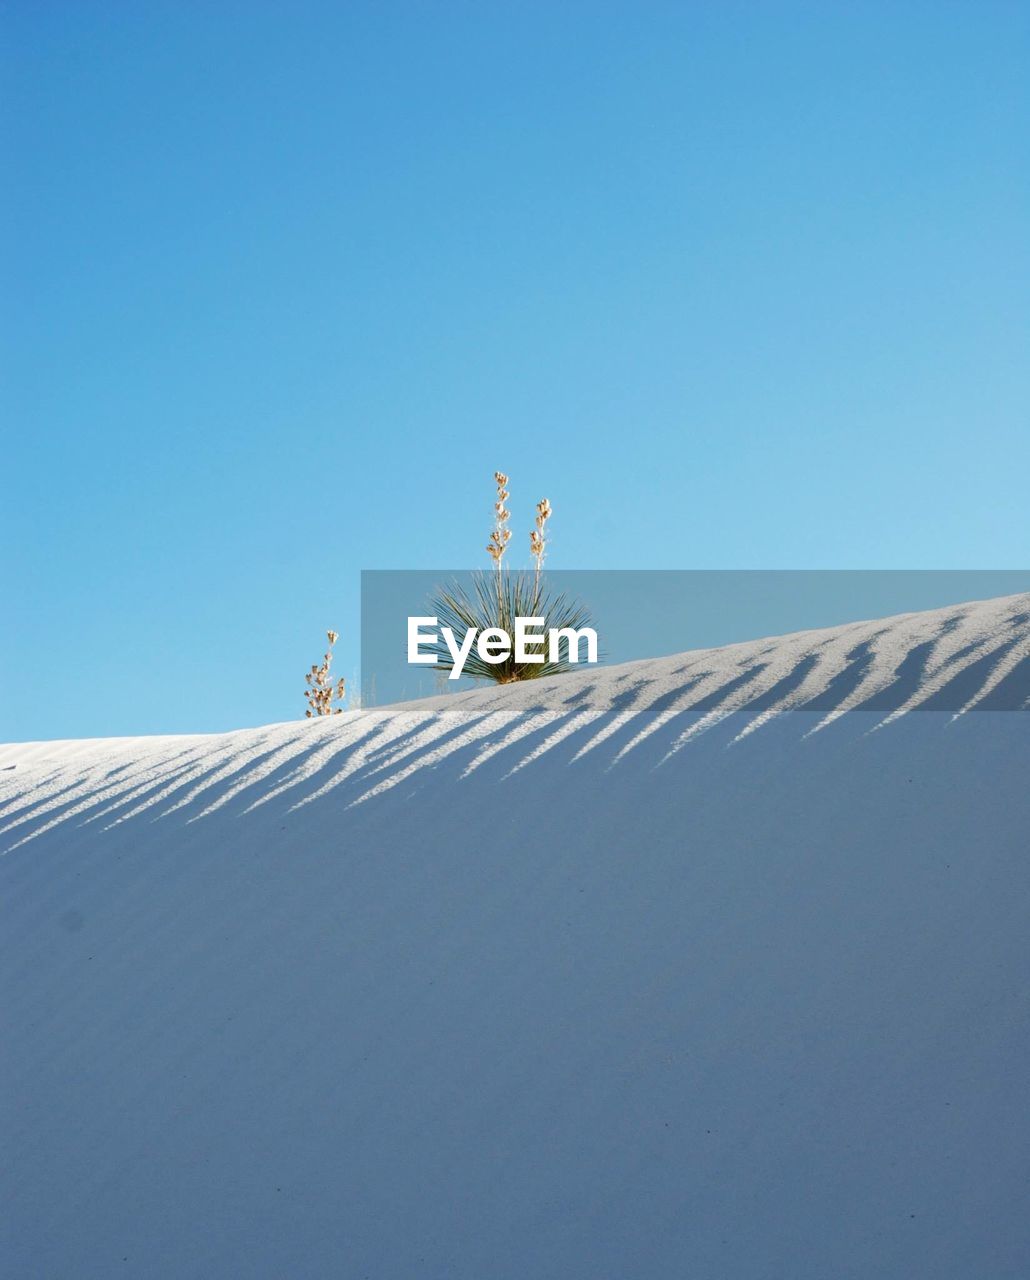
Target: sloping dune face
x=714, y=966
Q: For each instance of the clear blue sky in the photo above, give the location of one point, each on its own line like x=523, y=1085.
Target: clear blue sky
x=734, y=285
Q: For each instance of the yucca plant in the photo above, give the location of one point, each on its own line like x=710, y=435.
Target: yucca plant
x=494, y=600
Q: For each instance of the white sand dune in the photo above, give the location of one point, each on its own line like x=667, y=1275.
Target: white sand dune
x=714, y=966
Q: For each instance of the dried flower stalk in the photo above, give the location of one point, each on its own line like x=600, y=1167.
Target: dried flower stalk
x=501, y=535
x=321, y=692
x=538, y=541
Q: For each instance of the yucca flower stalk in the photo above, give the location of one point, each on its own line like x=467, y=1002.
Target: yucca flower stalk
x=538, y=539
x=321, y=692
x=501, y=535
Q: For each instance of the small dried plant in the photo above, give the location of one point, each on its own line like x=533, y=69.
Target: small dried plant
x=321, y=693
x=511, y=594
